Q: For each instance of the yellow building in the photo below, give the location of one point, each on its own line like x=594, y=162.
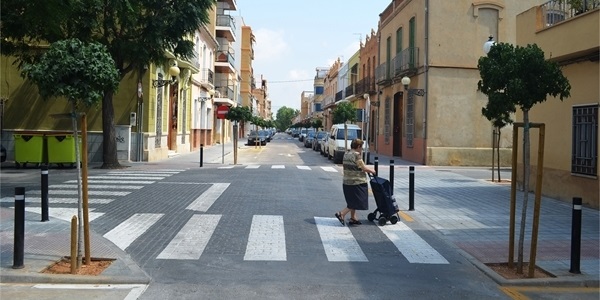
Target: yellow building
x=155, y=110
x=436, y=44
x=570, y=37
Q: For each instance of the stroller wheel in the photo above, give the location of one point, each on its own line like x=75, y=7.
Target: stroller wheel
x=382, y=221
x=371, y=217
x=394, y=219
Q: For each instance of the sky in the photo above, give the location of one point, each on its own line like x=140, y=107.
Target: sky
x=293, y=38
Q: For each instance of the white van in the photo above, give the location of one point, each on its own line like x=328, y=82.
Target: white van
x=336, y=144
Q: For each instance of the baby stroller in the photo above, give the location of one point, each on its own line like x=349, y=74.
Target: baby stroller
x=386, y=204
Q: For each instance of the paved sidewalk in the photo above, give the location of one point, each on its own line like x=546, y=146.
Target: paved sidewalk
x=466, y=209
x=47, y=242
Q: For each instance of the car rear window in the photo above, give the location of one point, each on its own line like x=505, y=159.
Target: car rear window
x=352, y=134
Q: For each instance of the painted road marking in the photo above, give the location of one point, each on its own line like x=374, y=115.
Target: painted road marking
x=136, y=289
x=303, y=167
x=58, y=200
x=115, y=181
x=129, y=230
x=338, y=242
x=63, y=213
x=70, y=192
x=411, y=245
x=329, y=169
x=206, y=199
x=128, y=177
x=252, y=167
x=405, y=217
x=266, y=240
x=191, y=240
x=226, y=167
x=97, y=186
x=277, y=167
x=140, y=174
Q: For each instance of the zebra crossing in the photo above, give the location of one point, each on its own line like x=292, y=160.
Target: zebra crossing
x=266, y=240
x=280, y=167
x=102, y=189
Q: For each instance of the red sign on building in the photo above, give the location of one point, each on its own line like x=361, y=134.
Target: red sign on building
x=222, y=111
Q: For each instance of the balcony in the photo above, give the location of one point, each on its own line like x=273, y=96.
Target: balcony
x=229, y=4
x=365, y=85
x=225, y=27
x=382, y=75
x=207, y=78
x=350, y=90
x=405, y=62
x=224, y=92
x=339, y=96
x=225, y=61
x=196, y=59
x=556, y=11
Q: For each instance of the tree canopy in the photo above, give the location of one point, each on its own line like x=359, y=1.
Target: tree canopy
x=284, y=117
x=75, y=70
x=344, y=112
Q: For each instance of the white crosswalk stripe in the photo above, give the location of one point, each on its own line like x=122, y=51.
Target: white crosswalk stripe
x=64, y=213
x=303, y=167
x=74, y=192
x=411, y=245
x=253, y=167
x=338, y=241
x=190, y=241
x=267, y=239
x=206, y=199
x=299, y=167
x=129, y=230
x=98, y=186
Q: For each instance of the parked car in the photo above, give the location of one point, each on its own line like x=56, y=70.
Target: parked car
x=324, y=145
x=256, y=137
x=303, y=133
x=308, y=140
x=337, y=145
x=318, y=139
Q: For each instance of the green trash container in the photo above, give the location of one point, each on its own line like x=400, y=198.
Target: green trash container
x=61, y=149
x=29, y=149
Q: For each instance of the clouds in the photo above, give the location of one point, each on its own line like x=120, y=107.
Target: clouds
x=270, y=45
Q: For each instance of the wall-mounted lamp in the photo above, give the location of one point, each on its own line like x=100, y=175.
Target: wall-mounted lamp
x=173, y=72
x=406, y=83
x=487, y=46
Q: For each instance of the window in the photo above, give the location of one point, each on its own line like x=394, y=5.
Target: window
x=318, y=90
x=399, y=40
x=584, y=156
x=411, y=42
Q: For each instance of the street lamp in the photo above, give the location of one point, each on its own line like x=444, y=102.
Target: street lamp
x=367, y=112
x=406, y=83
x=487, y=46
x=173, y=72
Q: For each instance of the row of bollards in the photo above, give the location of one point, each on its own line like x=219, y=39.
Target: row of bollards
x=575, y=225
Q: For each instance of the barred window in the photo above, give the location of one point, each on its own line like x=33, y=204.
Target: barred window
x=584, y=156
x=387, y=121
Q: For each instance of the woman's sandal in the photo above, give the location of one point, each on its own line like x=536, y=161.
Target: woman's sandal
x=354, y=222
x=339, y=217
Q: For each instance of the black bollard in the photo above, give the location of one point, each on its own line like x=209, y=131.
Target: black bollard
x=411, y=188
x=45, y=193
x=576, y=236
x=19, y=246
x=392, y=175
x=201, y=154
x=376, y=165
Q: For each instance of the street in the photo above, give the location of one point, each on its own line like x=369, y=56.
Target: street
x=263, y=229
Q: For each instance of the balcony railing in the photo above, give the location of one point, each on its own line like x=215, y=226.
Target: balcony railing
x=405, y=61
x=208, y=76
x=381, y=74
x=225, y=89
x=225, y=56
x=350, y=90
x=226, y=21
x=196, y=59
x=365, y=85
x=339, y=96
x=556, y=11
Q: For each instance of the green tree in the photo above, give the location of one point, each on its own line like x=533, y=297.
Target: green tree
x=344, y=112
x=79, y=72
x=137, y=33
x=317, y=124
x=520, y=76
x=284, y=117
x=498, y=112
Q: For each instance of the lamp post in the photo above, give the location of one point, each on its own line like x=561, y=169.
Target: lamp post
x=367, y=112
x=487, y=46
x=173, y=72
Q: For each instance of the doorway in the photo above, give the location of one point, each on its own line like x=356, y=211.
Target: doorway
x=398, y=121
x=173, y=108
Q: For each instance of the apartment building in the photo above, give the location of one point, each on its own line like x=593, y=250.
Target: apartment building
x=435, y=44
x=247, y=82
x=569, y=36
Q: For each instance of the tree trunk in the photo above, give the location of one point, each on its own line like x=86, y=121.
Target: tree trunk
x=109, y=144
x=493, y=151
x=498, y=156
x=526, y=152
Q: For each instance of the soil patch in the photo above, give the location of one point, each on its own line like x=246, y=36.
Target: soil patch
x=511, y=273
x=63, y=266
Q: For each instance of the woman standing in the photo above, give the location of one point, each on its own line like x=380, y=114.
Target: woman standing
x=355, y=183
